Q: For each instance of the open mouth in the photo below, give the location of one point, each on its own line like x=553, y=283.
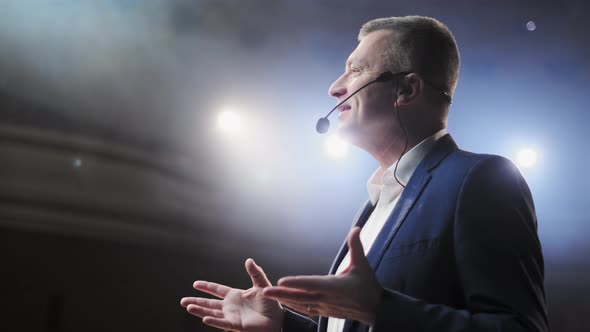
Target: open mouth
x=343, y=108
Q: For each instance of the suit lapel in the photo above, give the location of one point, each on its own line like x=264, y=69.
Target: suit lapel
x=359, y=220
x=416, y=185
x=408, y=198
x=403, y=206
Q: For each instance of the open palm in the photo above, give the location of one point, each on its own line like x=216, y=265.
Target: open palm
x=237, y=309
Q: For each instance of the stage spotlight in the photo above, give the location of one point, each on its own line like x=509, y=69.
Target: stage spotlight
x=526, y=158
x=230, y=122
x=335, y=147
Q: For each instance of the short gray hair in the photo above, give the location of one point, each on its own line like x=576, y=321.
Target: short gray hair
x=421, y=44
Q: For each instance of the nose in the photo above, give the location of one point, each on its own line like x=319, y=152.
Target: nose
x=338, y=88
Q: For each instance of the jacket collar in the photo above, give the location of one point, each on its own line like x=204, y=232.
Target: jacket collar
x=416, y=184
x=418, y=181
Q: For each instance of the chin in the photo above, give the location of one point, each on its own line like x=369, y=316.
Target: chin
x=355, y=135
x=347, y=133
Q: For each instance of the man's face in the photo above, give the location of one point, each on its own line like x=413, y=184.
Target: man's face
x=370, y=111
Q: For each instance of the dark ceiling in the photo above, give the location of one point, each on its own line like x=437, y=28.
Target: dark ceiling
x=108, y=127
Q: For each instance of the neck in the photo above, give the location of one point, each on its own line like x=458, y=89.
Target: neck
x=389, y=149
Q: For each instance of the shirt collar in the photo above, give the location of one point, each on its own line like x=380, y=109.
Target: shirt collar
x=405, y=167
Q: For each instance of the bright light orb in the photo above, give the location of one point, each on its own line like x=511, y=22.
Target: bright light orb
x=77, y=163
x=230, y=122
x=335, y=147
x=526, y=158
x=531, y=26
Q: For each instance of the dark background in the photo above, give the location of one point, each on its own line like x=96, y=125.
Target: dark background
x=118, y=190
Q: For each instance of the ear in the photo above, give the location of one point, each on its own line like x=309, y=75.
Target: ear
x=409, y=88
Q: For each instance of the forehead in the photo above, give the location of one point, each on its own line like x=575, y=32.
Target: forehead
x=371, y=48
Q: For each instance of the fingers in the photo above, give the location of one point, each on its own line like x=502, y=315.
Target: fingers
x=302, y=308
x=291, y=295
x=310, y=283
x=219, y=323
x=211, y=288
x=258, y=276
x=318, y=309
x=202, y=302
x=357, y=253
x=203, y=312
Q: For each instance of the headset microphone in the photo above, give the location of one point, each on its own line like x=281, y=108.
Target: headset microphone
x=323, y=124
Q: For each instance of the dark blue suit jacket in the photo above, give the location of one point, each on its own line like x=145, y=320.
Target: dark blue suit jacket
x=459, y=252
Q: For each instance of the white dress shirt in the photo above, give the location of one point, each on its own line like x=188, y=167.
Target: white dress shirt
x=384, y=192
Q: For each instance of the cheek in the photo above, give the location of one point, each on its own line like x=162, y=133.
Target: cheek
x=368, y=105
x=381, y=102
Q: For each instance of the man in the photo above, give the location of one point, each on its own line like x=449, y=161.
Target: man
x=448, y=239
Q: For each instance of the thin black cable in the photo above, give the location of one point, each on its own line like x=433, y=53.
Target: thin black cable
x=384, y=77
x=405, y=136
x=352, y=94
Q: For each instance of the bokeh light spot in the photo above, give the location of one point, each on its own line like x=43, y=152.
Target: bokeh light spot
x=230, y=122
x=531, y=26
x=335, y=147
x=526, y=158
x=77, y=163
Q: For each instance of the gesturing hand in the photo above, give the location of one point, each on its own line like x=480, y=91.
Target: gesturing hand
x=353, y=294
x=237, y=309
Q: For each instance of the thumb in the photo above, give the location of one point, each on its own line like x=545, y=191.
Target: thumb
x=357, y=253
x=259, y=279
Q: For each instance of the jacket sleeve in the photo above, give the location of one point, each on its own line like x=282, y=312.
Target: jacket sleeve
x=498, y=260
x=294, y=322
